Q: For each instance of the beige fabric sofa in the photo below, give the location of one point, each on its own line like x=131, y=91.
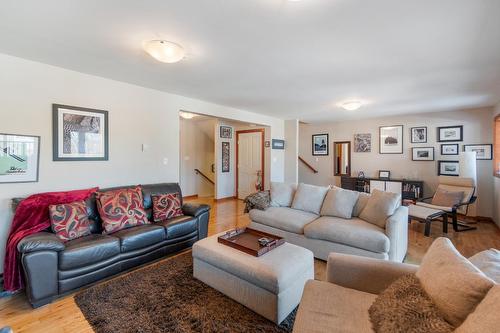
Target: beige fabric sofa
x=325, y=234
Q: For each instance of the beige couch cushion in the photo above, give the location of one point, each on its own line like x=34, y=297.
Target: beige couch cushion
x=283, y=218
x=309, y=198
x=488, y=262
x=326, y=307
x=485, y=318
x=339, y=202
x=447, y=198
x=354, y=232
x=360, y=204
x=282, y=194
x=454, y=284
x=379, y=207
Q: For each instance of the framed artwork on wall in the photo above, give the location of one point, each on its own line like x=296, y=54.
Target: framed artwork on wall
x=79, y=134
x=320, y=144
x=422, y=154
x=419, y=134
x=226, y=132
x=19, y=158
x=362, y=143
x=226, y=156
x=278, y=144
x=384, y=174
x=448, y=168
x=391, y=139
x=483, y=151
x=450, y=133
x=449, y=149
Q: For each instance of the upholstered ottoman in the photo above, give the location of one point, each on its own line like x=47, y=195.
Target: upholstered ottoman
x=270, y=285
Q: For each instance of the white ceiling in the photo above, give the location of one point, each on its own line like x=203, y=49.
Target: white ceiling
x=276, y=57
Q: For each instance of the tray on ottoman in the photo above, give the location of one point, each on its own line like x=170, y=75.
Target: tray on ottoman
x=247, y=240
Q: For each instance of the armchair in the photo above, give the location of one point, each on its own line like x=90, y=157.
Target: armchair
x=454, y=184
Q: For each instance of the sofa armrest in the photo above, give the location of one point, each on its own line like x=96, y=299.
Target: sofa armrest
x=364, y=274
x=195, y=209
x=396, y=228
x=40, y=241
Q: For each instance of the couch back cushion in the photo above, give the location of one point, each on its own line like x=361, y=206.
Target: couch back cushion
x=360, y=204
x=454, y=284
x=339, y=202
x=379, y=207
x=488, y=262
x=309, y=198
x=282, y=194
x=485, y=317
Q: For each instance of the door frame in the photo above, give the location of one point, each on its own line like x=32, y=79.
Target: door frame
x=262, y=158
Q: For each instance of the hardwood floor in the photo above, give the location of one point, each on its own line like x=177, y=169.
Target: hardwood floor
x=64, y=316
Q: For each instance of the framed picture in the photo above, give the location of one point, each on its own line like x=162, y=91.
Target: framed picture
x=450, y=133
x=362, y=143
x=384, y=174
x=79, y=134
x=418, y=134
x=448, y=168
x=483, y=151
x=278, y=144
x=422, y=154
x=226, y=132
x=226, y=156
x=391, y=139
x=449, y=149
x=19, y=158
x=320, y=144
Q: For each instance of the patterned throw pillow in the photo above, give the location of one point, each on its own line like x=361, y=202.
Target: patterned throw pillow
x=121, y=209
x=166, y=206
x=69, y=221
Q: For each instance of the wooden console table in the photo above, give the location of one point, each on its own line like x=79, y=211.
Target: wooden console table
x=409, y=189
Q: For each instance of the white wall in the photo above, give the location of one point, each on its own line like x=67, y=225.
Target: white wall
x=496, y=185
x=197, y=152
x=291, y=151
x=477, y=129
x=137, y=115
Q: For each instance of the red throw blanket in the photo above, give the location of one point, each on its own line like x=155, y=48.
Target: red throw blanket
x=32, y=215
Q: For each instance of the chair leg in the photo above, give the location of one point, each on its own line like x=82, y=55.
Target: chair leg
x=445, y=223
x=459, y=227
x=427, y=230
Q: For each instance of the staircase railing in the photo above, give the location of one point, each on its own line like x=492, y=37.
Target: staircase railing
x=198, y=172
x=309, y=166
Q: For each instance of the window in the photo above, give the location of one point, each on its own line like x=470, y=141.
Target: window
x=496, y=153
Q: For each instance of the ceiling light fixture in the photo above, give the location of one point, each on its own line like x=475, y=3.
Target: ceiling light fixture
x=187, y=115
x=351, y=105
x=164, y=51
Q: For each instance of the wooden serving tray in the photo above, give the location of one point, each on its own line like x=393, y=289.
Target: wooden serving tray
x=247, y=240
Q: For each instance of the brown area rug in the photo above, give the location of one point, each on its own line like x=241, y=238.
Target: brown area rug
x=164, y=297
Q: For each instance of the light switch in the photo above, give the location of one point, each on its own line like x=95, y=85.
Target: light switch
x=145, y=147
x=165, y=161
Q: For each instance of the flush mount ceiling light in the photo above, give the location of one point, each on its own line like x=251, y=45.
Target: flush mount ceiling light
x=187, y=115
x=164, y=51
x=351, y=105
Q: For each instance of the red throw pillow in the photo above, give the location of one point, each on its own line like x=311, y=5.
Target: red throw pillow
x=121, y=209
x=69, y=221
x=166, y=206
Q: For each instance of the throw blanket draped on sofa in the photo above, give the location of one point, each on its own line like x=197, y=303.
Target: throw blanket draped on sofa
x=31, y=216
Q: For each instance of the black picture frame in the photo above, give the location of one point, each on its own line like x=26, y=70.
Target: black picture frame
x=430, y=158
x=225, y=132
x=456, y=145
x=488, y=145
x=447, y=174
x=412, y=136
x=56, y=156
x=382, y=147
x=37, y=171
x=444, y=128
x=226, y=157
x=278, y=144
x=384, y=174
x=326, y=140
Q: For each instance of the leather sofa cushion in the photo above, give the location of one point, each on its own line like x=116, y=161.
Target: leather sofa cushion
x=139, y=237
x=179, y=226
x=88, y=250
x=353, y=232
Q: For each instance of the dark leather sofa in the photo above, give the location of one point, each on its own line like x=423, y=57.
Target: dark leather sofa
x=52, y=268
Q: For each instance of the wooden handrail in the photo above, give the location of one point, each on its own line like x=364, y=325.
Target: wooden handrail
x=308, y=165
x=198, y=172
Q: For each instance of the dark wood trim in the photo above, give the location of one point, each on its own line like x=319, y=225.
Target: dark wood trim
x=262, y=162
x=190, y=197
x=496, y=146
x=335, y=171
x=307, y=165
x=198, y=172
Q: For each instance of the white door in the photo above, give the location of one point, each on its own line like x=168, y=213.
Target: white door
x=249, y=162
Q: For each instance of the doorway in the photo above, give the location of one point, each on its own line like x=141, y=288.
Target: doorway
x=249, y=162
